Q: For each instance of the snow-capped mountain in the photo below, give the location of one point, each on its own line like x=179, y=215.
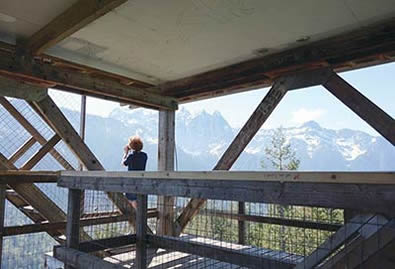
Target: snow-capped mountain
x=202, y=138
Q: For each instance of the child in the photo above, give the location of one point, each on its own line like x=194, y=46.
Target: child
x=135, y=161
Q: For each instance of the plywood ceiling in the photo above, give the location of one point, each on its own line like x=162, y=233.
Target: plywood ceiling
x=158, y=41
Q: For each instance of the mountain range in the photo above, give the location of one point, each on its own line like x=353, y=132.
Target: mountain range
x=202, y=138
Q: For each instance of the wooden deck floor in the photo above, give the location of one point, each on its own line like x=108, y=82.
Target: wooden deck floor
x=180, y=260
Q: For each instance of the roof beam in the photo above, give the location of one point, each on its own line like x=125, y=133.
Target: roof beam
x=51, y=76
x=73, y=19
x=20, y=89
x=359, y=48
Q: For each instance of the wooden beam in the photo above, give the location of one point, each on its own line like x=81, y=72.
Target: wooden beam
x=3, y=188
x=141, y=232
x=80, y=259
x=243, y=138
x=33, y=132
x=275, y=220
x=20, y=89
x=166, y=149
x=335, y=177
x=41, y=153
x=55, y=226
x=241, y=224
x=362, y=106
x=336, y=52
x=22, y=150
x=254, y=123
x=366, y=197
x=335, y=241
x=224, y=254
x=17, y=176
x=50, y=76
x=371, y=251
x=107, y=243
x=73, y=222
x=58, y=122
x=34, y=196
x=73, y=19
x=52, y=114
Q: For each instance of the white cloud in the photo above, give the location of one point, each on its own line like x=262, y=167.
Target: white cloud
x=303, y=115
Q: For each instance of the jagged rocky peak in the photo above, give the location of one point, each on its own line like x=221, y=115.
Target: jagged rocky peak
x=311, y=125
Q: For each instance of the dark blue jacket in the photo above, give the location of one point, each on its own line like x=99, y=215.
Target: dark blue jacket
x=136, y=161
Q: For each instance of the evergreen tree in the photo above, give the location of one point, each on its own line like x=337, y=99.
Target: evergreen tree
x=281, y=156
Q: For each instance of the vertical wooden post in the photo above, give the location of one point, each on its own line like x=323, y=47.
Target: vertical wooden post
x=82, y=135
x=141, y=232
x=166, y=146
x=241, y=224
x=73, y=221
x=2, y=211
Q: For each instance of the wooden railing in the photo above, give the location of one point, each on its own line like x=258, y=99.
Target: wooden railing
x=362, y=191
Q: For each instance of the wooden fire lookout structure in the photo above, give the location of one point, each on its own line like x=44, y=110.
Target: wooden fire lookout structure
x=158, y=54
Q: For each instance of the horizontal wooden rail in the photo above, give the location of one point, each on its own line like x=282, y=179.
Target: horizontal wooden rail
x=79, y=259
x=275, y=220
x=54, y=226
x=387, y=177
x=107, y=243
x=15, y=177
x=348, y=190
x=233, y=256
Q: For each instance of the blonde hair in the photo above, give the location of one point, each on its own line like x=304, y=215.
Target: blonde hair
x=135, y=143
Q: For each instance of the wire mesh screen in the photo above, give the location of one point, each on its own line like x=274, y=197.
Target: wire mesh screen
x=23, y=132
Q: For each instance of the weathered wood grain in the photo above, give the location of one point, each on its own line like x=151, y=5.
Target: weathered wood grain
x=19, y=176
x=3, y=188
x=20, y=89
x=33, y=132
x=52, y=114
x=166, y=147
x=275, y=220
x=50, y=76
x=362, y=106
x=80, y=259
x=218, y=253
x=41, y=153
x=73, y=221
x=339, y=52
x=243, y=138
x=84, y=221
x=22, y=150
x=335, y=177
x=106, y=243
x=73, y=19
x=141, y=232
x=374, y=197
x=372, y=251
x=335, y=241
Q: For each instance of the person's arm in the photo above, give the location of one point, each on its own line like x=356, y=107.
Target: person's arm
x=125, y=155
x=145, y=161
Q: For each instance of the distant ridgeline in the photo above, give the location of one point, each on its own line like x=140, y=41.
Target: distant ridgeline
x=200, y=141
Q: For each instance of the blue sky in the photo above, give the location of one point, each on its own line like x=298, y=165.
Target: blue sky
x=314, y=103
